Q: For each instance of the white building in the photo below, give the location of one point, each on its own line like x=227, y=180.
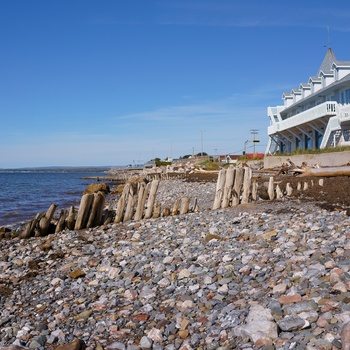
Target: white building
x=316, y=114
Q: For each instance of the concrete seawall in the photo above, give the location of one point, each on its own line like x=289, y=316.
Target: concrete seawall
x=325, y=159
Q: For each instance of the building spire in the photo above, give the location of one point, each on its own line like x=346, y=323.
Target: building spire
x=329, y=38
x=327, y=63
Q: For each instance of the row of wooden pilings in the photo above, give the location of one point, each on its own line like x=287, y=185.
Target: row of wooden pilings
x=90, y=214
x=237, y=186
x=233, y=187
x=137, y=202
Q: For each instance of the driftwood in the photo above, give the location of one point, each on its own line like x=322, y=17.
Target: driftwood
x=291, y=168
x=327, y=172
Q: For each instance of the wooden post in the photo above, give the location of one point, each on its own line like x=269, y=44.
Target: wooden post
x=84, y=210
x=254, y=190
x=129, y=210
x=246, y=185
x=29, y=228
x=61, y=223
x=236, y=193
x=289, y=189
x=195, y=208
x=151, y=199
x=220, y=184
x=270, y=190
x=71, y=218
x=229, y=181
x=45, y=221
x=99, y=214
x=141, y=200
x=279, y=193
x=299, y=186
x=107, y=216
x=95, y=216
x=185, y=204
x=306, y=186
x=157, y=210
x=166, y=212
x=176, y=205
x=121, y=204
x=320, y=182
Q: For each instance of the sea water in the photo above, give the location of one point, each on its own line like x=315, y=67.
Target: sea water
x=23, y=194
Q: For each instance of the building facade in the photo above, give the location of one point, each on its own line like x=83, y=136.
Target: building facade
x=316, y=114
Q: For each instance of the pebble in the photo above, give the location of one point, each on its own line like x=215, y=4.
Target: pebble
x=268, y=275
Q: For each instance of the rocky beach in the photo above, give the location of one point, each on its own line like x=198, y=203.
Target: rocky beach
x=266, y=275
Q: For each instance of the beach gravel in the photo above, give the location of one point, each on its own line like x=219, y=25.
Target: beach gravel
x=268, y=275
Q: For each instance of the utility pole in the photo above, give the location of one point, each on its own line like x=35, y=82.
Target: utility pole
x=254, y=132
x=202, y=131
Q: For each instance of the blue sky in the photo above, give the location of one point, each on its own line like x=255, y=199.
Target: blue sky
x=112, y=82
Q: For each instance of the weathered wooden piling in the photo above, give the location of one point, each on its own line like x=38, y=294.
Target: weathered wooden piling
x=219, y=189
x=84, y=211
x=45, y=221
x=237, y=188
x=61, y=223
x=185, y=205
x=141, y=200
x=95, y=216
x=151, y=199
x=247, y=179
x=129, y=210
x=229, y=182
x=71, y=218
x=176, y=205
x=121, y=204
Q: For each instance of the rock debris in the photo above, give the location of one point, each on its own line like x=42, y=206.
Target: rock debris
x=268, y=275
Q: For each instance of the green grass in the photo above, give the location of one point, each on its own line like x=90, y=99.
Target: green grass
x=209, y=165
x=315, y=151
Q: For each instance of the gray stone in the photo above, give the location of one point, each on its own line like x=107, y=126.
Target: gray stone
x=302, y=306
x=146, y=343
x=292, y=323
x=116, y=346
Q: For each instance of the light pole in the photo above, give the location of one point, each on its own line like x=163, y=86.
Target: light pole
x=245, y=146
x=254, y=132
x=202, y=131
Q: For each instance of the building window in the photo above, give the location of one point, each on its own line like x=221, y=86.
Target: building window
x=347, y=96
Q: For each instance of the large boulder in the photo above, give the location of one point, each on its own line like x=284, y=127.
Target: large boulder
x=98, y=187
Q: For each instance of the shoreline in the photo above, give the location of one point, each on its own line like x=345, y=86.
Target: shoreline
x=184, y=281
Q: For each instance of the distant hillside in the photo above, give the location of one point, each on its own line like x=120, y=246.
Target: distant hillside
x=82, y=169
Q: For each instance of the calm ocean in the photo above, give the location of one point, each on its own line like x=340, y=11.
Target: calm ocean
x=23, y=194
